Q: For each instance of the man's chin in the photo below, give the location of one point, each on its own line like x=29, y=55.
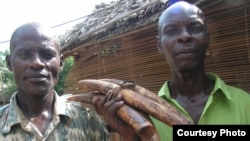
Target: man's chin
x=39, y=91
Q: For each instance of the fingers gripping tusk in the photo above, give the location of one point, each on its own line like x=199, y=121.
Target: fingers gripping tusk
x=140, y=122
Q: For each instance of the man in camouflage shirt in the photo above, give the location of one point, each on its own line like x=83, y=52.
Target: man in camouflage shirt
x=70, y=122
x=36, y=112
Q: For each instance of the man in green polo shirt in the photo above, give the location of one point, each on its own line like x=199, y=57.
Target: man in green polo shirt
x=202, y=97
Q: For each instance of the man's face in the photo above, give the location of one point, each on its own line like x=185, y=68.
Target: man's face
x=183, y=38
x=35, y=62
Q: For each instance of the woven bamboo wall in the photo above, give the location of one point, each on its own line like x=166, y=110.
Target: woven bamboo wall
x=229, y=52
x=135, y=56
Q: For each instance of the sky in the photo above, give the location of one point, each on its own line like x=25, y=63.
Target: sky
x=14, y=13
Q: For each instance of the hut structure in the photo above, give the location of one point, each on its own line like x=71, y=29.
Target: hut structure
x=118, y=40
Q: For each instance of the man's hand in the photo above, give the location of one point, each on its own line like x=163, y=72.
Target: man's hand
x=108, y=106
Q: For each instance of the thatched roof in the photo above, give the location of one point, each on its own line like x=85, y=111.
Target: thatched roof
x=115, y=18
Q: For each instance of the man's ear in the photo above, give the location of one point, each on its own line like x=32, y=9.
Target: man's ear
x=61, y=62
x=159, y=44
x=7, y=58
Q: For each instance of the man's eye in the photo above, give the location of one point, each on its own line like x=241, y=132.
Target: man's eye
x=170, y=31
x=48, y=55
x=24, y=55
x=196, y=29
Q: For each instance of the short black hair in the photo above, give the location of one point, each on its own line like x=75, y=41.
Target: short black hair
x=28, y=27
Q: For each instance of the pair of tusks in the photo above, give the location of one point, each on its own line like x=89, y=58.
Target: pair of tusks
x=140, y=103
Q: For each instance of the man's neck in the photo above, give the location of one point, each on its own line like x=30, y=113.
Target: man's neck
x=34, y=105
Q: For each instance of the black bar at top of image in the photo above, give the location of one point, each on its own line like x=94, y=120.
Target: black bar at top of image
x=211, y=132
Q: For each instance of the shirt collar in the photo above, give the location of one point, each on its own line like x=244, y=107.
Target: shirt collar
x=61, y=106
x=218, y=86
x=16, y=116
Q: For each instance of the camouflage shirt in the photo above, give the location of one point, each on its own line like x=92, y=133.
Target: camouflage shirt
x=70, y=122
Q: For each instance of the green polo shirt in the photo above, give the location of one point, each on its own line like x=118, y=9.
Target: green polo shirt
x=225, y=105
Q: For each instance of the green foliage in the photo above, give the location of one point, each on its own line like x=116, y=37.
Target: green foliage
x=2, y=58
x=11, y=86
x=7, y=78
x=68, y=63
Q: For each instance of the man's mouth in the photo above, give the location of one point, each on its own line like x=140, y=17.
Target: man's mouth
x=37, y=77
x=187, y=52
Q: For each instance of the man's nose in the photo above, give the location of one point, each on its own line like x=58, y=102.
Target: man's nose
x=37, y=62
x=185, y=36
